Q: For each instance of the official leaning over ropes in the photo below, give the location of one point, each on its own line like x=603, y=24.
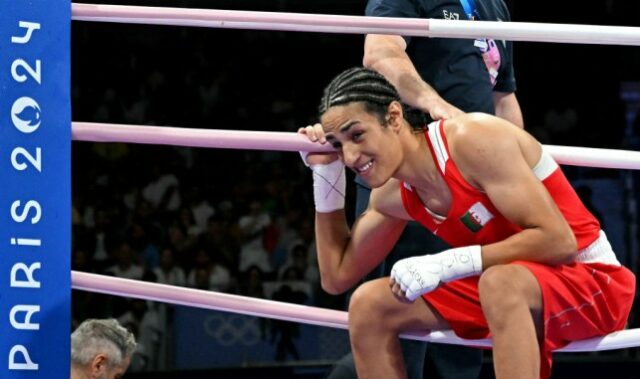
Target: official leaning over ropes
x=529, y=265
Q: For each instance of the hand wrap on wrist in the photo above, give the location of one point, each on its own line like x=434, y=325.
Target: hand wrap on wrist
x=420, y=275
x=329, y=185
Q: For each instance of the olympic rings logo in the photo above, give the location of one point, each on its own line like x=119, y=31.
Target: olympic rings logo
x=229, y=330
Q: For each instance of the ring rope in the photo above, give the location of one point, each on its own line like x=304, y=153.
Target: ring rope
x=287, y=141
x=215, y=18
x=298, y=313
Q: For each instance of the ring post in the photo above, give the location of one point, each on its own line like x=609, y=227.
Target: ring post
x=35, y=189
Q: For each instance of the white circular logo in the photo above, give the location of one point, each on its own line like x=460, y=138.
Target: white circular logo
x=25, y=114
x=229, y=330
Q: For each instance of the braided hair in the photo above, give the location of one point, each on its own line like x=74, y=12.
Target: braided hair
x=359, y=84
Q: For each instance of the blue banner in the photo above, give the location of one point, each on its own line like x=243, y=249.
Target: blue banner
x=35, y=189
x=209, y=339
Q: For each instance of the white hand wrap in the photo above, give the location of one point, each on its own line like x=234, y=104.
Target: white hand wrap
x=329, y=185
x=419, y=275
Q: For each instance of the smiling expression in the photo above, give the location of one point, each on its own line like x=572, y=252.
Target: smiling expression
x=366, y=146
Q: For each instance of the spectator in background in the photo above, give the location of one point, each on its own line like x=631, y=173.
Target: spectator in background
x=163, y=190
x=252, y=283
x=201, y=209
x=209, y=273
x=168, y=272
x=100, y=239
x=299, y=263
x=252, y=251
x=180, y=242
x=146, y=250
x=219, y=236
x=188, y=222
x=125, y=266
x=101, y=349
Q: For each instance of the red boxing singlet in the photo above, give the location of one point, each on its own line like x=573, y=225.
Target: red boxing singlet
x=473, y=220
x=596, y=284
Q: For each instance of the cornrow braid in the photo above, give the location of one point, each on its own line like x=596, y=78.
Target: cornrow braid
x=359, y=84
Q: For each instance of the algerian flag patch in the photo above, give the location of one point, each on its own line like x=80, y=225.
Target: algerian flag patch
x=476, y=217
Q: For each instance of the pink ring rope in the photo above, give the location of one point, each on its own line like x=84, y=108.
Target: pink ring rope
x=297, y=313
x=283, y=141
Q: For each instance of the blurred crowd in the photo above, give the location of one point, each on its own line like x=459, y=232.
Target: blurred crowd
x=149, y=215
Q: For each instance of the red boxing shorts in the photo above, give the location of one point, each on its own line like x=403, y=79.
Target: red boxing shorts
x=581, y=300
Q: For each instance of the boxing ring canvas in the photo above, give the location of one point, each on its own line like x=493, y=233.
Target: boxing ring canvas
x=35, y=189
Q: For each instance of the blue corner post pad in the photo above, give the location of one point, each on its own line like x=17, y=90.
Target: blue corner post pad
x=35, y=189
